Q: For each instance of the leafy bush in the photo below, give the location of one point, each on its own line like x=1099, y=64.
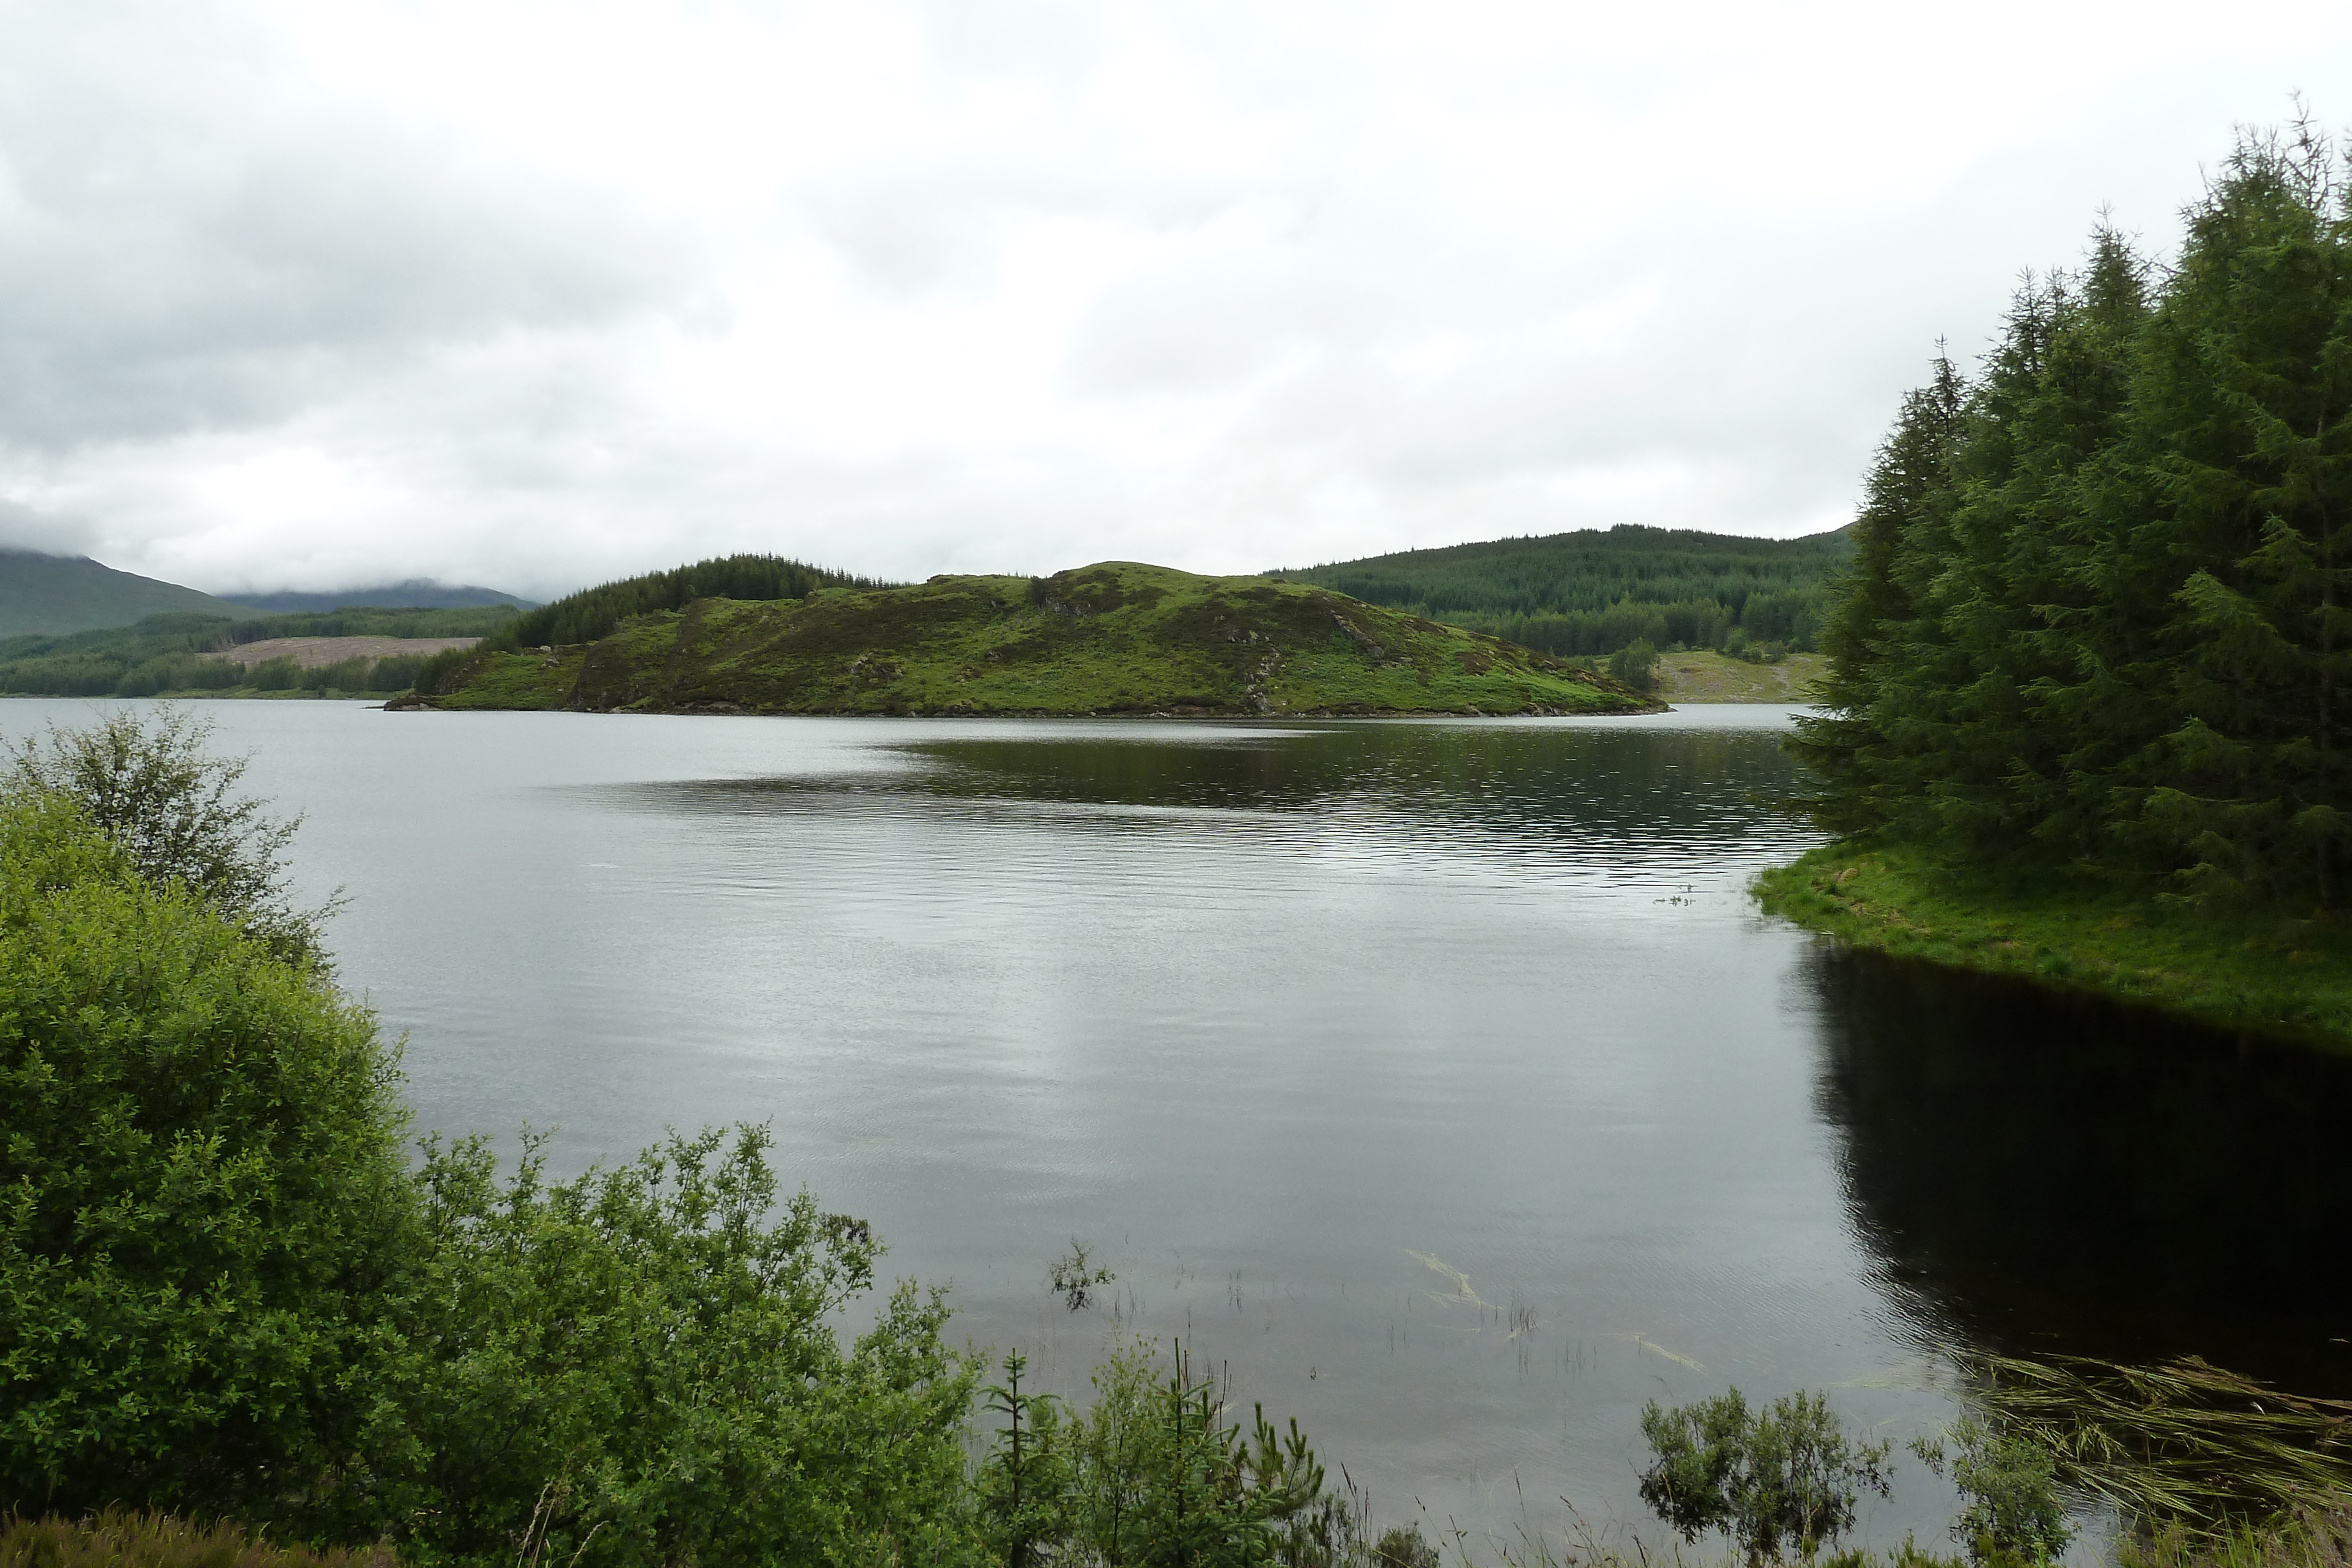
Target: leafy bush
x=1636, y=665
x=202, y=1200
x=1152, y=1473
x=1784, y=1476
x=637, y=1366
x=173, y=807
x=224, y=1291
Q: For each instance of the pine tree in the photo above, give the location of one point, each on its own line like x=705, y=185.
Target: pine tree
x=2232, y=576
x=1907, y=488
x=2099, y=607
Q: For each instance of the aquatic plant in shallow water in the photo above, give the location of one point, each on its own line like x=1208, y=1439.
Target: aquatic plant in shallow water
x=2182, y=1441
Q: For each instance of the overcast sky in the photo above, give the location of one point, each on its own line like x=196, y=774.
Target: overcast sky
x=316, y=295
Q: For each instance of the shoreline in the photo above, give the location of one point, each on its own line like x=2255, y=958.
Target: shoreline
x=2254, y=972
x=719, y=710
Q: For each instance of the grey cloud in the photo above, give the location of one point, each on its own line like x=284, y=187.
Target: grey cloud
x=912, y=232
x=22, y=527
x=1216, y=315
x=1368, y=313
x=910, y=227
x=182, y=247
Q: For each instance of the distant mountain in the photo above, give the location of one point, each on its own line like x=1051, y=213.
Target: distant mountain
x=58, y=593
x=417, y=593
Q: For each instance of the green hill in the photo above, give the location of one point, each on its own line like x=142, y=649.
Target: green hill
x=1594, y=592
x=56, y=594
x=1115, y=637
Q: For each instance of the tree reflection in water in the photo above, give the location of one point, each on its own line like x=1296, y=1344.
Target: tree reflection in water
x=2042, y=1174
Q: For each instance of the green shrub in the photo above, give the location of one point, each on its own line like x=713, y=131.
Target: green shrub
x=638, y=1366
x=1154, y=1472
x=224, y=1292
x=1636, y=665
x=1025, y=1483
x=174, y=809
x=202, y=1199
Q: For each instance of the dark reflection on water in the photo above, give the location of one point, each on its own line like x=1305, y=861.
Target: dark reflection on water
x=2042, y=1173
x=1641, y=790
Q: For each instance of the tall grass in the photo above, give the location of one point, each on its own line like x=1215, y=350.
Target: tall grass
x=2183, y=1441
x=157, y=1541
x=2316, y=1535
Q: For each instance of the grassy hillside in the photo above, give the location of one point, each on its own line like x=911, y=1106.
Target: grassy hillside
x=1595, y=592
x=182, y=652
x=1699, y=676
x=56, y=594
x=1112, y=638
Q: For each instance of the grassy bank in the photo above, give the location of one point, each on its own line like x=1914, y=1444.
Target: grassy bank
x=1702, y=675
x=2317, y=1535
x=2253, y=970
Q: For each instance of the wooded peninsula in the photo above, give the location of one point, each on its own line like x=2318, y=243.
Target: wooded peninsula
x=2086, y=672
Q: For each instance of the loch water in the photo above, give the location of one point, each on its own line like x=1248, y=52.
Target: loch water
x=1436, y=1082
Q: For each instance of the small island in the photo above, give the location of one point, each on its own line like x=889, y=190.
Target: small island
x=1118, y=637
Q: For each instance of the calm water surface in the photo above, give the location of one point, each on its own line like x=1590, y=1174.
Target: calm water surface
x=1438, y=1079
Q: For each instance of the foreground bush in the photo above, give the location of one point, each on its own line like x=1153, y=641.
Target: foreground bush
x=223, y=1292
x=162, y=799
x=202, y=1200
x=1155, y=1472
x=638, y=1366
